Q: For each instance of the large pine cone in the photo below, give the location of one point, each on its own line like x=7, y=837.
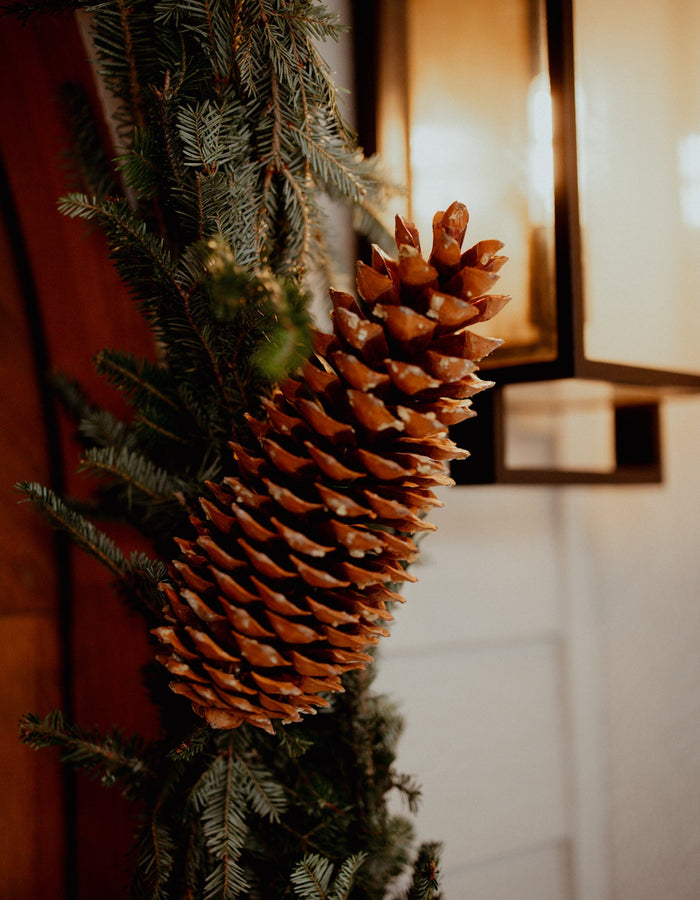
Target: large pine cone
x=285, y=587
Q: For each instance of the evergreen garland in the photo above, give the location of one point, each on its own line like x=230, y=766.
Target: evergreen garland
x=230, y=132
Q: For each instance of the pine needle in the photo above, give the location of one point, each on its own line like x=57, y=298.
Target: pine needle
x=426, y=874
x=110, y=759
x=80, y=529
x=312, y=876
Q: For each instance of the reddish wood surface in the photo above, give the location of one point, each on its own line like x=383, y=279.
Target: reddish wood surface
x=84, y=307
x=31, y=834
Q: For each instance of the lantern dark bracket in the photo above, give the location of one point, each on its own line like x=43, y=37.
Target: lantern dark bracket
x=637, y=441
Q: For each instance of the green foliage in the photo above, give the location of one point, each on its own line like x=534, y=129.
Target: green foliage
x=229, y=132
x=228, y=117
x=409, y=790
x=86, y=157
x=156, y=852
x=267, y=314
x=265, y=796
x=425, y=882
x=219, y=798
x=82, y=531
x=311, y=877
x=111, y=759
x=143, y=482
x=137, y=576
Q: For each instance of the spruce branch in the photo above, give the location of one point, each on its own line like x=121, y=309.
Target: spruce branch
x=144, y=482
x=110, y=759
x=87, y=160
x=150, y=424
x=96, y=426
x=122, y=37
x=334, y=169
x=100, y=428
x=204, y=334
x=165, y=112
x=214, y=135
x=292, y=743
x=142, y=578
x=426, y=874
x=137, y=116
x=137, y=166
x=220, y=803
x=318, y=21
x=311, y=878
x=345, y=878
x=80, y=530
x=142, y=381
x=265, y=796
x=179, y=316
x=156, y=850
x=195, y=863
x=141, y=257
x=193, y=745
x=298, y=217
x=409, y=790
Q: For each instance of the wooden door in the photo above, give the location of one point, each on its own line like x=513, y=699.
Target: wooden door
x=67, y=641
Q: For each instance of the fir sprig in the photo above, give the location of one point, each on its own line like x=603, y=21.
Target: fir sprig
x=142, y=577
x=409, y=790
x=87, y=160
x=110, y=759
x=426, y=873
x=220, y=801
x=98, y=427
x=143, y=481
x=142, y=258
x=265, y=796
x=138, y=575
x=136, y=165
x=156, y=852
x=312, y=876
x=82, y=531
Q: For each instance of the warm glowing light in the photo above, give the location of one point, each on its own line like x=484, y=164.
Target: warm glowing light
x=638, y=142
x=482, y=138
x=541, y=155
x=689, y=171
x=445, y=155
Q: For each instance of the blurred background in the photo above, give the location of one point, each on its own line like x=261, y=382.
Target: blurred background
x=547, y=661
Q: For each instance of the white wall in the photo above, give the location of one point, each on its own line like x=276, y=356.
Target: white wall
x=476, y=659
x=547, y=665
x=646, y=558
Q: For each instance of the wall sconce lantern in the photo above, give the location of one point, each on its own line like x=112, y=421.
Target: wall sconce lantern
x=571, y=128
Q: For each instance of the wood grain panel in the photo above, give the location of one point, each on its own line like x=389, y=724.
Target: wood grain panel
x=32, y=833
x=31, y=837
x=83, y=307
x=27, y=576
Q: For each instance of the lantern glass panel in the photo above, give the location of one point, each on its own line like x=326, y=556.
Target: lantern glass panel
x=469, y=118
x=638, y=124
